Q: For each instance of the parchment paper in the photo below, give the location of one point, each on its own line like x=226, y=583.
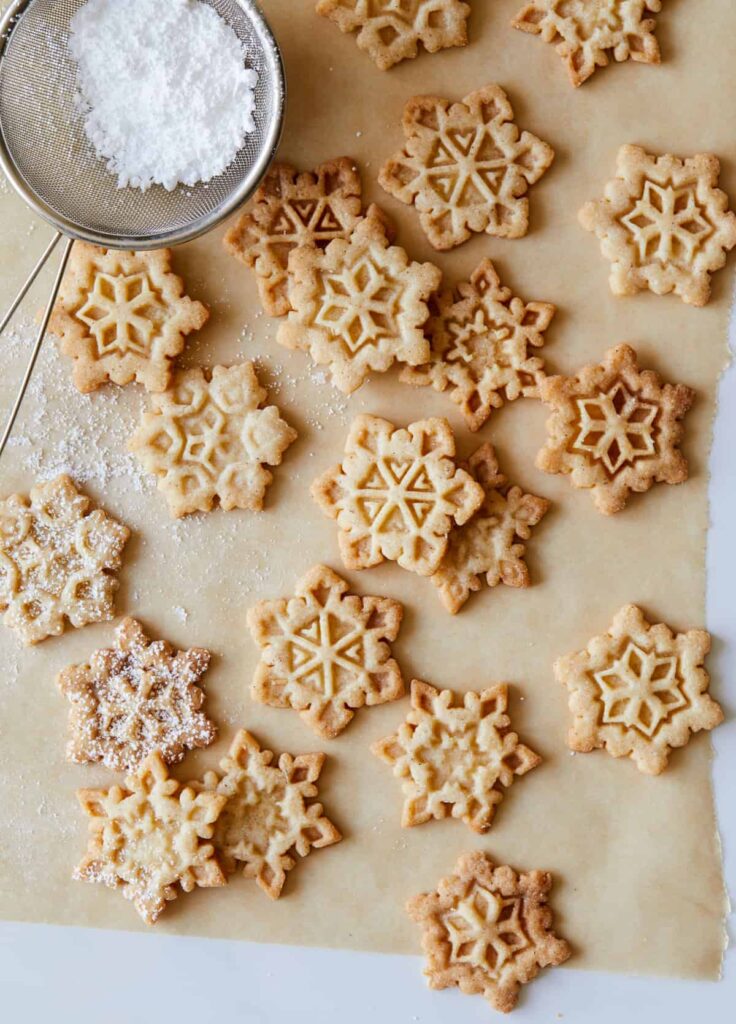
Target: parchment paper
x=639, y=884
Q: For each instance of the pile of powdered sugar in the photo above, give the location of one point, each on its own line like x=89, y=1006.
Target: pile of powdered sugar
x=163, y=89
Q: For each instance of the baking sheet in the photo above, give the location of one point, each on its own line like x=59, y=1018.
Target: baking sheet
x=636, y=859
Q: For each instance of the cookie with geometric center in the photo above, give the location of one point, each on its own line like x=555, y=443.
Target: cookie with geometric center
x=615, y=429
x=270, y=813
x=663, y=224
x=488, y=930
x=123, y=316
x=59, y=559
x=390, y=32
x=456, y=756
x=359, y=305
x=483, y=340
x=135, y=698
x=638, y=690
x=293, y=208
x=585, y=34
x=208, y=439
x=466, y=167
x=489, y=546
x=325, y=652
x=397, y=494
x=150, y=838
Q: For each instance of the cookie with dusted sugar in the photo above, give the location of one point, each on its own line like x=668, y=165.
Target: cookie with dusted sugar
x=455, y=755
x=483, y=342
x=359, y=305
x=325, y=652
x=491, y=545
x=150, y=838
x=663, y=224
x=271, y=812
x=466, y=167
x=586, y=33
x=208, y=439
x=135, y=698
x=123, y=316
x=397, y=494
x=59, y=559
x=614, y=429
x=392, y=32
x=291, y=208
x=488, y=929
x=639, y=690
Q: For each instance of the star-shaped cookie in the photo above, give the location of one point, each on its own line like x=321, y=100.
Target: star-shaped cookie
x=639, y=690
x=270, y=814
x=466, y=167
x=326, y=652
x=488, y=930
x=490, y=545
x=663, y=224
x=455, y=756
x=615, y=429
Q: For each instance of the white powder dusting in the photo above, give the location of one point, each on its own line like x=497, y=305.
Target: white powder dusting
x=163, y=88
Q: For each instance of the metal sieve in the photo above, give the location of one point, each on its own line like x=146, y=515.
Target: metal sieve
x=48, y=160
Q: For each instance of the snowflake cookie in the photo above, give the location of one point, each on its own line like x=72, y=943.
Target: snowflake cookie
x=325, y=651
x=639, y=690
x=390, y=31
x=293, y=208
x=397, y=494
x=146, y=838
x=466, y=167
x=488, y=930
x=58, y=560
x=123, y=316
x=663, y=224
x=615, y=429
x=585, y=33
x=135, y=698
x=491, y=544
x=455, y=757
x=482, y=342
x=207, y=438
x=359, y=305
x=271, y=812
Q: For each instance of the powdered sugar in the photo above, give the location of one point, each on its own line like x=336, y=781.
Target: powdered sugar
x=164, y=89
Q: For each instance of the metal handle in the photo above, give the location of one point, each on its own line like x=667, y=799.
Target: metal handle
x=42, y=329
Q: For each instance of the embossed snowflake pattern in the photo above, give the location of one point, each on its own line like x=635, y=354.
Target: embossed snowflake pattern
x=147, y=838
x=455, y=757
x=483, y=340
x=639, y=690
x=585, y=33
x=390, y=31
x=491, y=545
x=466, y=167
x=135, y=698
x=359, y=305
x=58, y=560
x=208, y=438
x=325, y=652
x=123, y=316
x=293, y=208
x=663, y=224
x=397, y=493
x=488, y=930
x=271, y=814
x=615, y=429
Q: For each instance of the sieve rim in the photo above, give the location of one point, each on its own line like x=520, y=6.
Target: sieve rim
x=159, y=239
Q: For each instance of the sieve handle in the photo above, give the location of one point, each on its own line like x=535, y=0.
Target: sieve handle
x=42, y=329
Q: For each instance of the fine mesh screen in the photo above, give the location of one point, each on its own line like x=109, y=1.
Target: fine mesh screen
x=44, y=136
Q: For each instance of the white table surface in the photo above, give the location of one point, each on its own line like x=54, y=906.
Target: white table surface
x=80, y=976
